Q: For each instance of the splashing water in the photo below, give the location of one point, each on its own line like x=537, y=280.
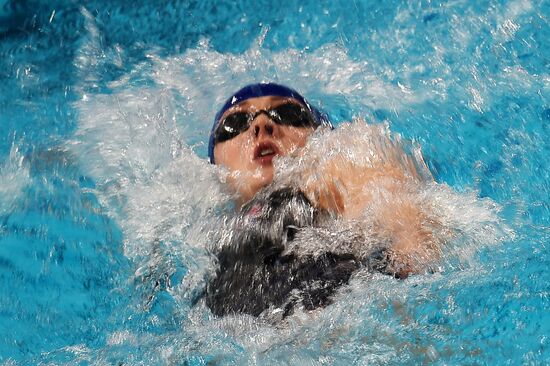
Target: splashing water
x=110, y=211
x=133, y=146
x=14, y=177
x=370, y=146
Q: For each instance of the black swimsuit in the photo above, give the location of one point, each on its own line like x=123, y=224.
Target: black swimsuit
x=255, y=274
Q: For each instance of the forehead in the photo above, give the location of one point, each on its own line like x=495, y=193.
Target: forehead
x=262, y=102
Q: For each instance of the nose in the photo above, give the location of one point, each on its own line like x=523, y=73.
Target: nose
x=263, y=125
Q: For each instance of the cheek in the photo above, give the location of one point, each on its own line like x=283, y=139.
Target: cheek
x=297, y=138
x=224, y=156
x=231, y=154
x=302, y=139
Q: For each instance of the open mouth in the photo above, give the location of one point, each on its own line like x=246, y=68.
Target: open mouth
x=265, y=152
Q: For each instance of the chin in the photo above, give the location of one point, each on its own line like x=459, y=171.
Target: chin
x=261, y=180
x=267, y=176
x=248, y=182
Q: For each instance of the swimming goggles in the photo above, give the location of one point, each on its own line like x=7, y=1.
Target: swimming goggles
x=287, y=114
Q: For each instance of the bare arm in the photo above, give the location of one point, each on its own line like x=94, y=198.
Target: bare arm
x=385, y=189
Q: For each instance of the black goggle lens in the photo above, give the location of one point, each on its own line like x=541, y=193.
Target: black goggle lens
x=291, y=115
x=288, y=114
x=231, y=126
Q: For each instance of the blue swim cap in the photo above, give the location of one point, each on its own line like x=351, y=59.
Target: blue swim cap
x=263, y=90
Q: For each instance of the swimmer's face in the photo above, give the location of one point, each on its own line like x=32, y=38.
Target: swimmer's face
x=249, y=155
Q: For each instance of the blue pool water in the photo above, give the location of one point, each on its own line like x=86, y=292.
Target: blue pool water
x=106, y=199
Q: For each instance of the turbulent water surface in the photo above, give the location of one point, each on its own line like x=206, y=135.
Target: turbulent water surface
x=109, y=207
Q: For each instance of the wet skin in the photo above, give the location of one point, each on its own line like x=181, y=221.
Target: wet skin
x=340, y=187
x=249, y=155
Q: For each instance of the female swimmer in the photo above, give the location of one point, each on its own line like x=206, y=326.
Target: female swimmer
x=257, y=273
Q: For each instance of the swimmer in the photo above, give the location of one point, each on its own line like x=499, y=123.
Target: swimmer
x=257, y=273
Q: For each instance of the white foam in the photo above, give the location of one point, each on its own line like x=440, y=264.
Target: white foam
x=461, y=222
x=134, y=141
x=206, y=77
x=14, y=178
x=130, y=144
x=130, y=140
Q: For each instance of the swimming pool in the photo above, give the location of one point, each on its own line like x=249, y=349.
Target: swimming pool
x=105, y=110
